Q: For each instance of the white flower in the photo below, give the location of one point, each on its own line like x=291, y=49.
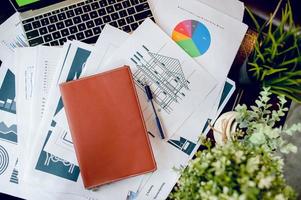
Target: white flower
x=265, y=182
x=225, y=190
x=238, y=156
x=251, y=184
x=219, y=167
x=280, y=163
x=212, y=197
x=289, y=148
x=242, y=197
x=252, y=164
x=279, y=197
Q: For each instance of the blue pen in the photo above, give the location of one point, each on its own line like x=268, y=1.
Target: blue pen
x=150, y=98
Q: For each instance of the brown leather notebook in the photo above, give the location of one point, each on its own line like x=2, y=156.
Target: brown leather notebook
x=107, y=127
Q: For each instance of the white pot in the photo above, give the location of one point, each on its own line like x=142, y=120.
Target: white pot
x=223, y=127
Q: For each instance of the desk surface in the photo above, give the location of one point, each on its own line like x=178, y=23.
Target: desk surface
x=6, y=10
x=248, y=97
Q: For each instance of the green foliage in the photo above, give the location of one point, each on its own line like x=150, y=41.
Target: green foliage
x=259, y=123
x=246, y=166
x=276, y=60
x=234, y=171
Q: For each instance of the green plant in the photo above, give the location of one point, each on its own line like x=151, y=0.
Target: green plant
x=276, y=59
x=233, y=171
x=256, y=126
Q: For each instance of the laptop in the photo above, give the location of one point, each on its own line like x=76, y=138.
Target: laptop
x=53, y=22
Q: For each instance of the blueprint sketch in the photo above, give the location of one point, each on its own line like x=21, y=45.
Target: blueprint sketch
x=164, y=75
x=179, y=84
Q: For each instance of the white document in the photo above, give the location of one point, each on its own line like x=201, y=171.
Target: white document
x=35, y=66
x=175, y=151
x=233, y=8
x=50, y=171
x=27, y=70
x=25, y=62
x=8, y=133
x=47, y=61
x=60, y=144
x=178, y=150
x=109, y=40
x=44, y=169
x=9, y=181
x=178, y=83
x=160, y=183
x=153, y=4
x=11, y=36
x=211, y=37
x=172, y=154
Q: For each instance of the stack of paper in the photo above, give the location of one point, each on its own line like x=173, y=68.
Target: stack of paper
x=210, y=36
x=185, y=59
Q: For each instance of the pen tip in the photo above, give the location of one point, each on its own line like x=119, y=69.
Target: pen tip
x=148, y=92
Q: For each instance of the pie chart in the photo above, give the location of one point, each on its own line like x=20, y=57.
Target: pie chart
x=193, y=36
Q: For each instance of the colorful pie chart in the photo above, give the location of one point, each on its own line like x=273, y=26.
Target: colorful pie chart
x=193, y=36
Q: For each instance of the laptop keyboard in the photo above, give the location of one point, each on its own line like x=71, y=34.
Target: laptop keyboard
x=85, y=20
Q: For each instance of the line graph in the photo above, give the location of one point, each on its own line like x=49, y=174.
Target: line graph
x=8, y=133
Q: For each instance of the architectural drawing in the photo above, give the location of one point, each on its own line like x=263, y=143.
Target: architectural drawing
x=164, y=75
x=8, y=133
x=4, y=159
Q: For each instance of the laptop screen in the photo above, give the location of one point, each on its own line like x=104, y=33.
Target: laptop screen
x=25, y=5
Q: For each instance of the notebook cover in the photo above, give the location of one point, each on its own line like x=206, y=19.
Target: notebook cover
x=107, y=127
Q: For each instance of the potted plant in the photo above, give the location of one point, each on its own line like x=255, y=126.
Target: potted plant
x=257, y=125
x=233, y=171
x=244, y=165
x=276, y=59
